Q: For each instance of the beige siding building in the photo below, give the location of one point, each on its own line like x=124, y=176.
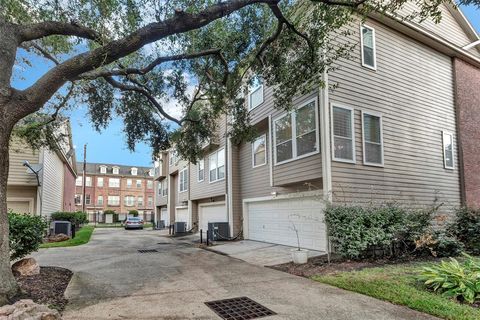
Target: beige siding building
x=384, y=129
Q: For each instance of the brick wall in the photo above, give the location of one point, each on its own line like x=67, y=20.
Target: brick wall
x=68, y=189
x=467, y=90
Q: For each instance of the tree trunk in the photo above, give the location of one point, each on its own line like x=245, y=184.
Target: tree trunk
x=8, y=285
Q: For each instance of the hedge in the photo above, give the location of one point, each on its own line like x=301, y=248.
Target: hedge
x=26, y=234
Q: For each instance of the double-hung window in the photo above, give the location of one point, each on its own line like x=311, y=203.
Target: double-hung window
x=129, y=201
x=87, y=199
x=129, y=183
x=164, y=188
x=343, y=145
x=103, y=169
x=149, y=184
x=372, y=139
x=259, y=151
x=79, y=181
x=88, y=181
x=255, y=93
x=140, y=201
x=114, y=182
x=139, y=183
x=115, y=170
x=99, y=181
x=200, y=170
x=447, y=139
x=100, y=200
x=183, y=180
x=368, y=47
x=113, y=200
x=216, y=162
x=296, y=133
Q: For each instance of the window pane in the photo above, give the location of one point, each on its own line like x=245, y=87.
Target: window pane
x=305, y=119
x=283, y=129
x=307, y=143
x=256, y=97
x=448, y=150
x=343, y=148
x=284, y=151
x=221, y=172
x=367, y=37
x=213, y=161
x=373, y=153
x=371, y=128
x=368, y=58
x=259, y=158
x=213, y=175
x=221, y=158
x=342, y=122
x=259, y=151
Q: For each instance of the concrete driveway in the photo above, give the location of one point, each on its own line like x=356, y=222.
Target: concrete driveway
x=113, y=280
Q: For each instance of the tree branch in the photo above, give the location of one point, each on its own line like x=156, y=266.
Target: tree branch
x=49, y=28
x=352, y=4
x=145, y=93
x=42, y=51
x=69, y=70
x=142, y=71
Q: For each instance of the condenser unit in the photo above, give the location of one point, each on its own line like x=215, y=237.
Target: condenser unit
x=64, y=227
x=218, y=231
x=180, y=227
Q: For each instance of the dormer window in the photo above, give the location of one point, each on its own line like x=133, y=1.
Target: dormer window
x=103, y=169
x=115, y=170
x=151, y=172
x=134, y=171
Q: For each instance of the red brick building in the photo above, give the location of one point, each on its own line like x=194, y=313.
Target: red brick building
x=467, y=95
x=115, y=187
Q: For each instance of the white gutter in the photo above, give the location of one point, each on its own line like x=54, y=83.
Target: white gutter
x=471, y=45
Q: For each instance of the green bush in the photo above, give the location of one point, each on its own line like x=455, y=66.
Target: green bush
x=77, y=218
x=355, y=230
x=26, y=234
x=466, y=228
x=454, y=279
x=109, y=212
x=133, y=213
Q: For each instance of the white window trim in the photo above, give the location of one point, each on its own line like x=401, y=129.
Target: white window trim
x=376, y=114
x=352, y=110
x=111, y=186
x=294, y=131
x=217, y=151
x=445, y=166
x=198, y=169
x=103, y=169
x=164, y=194
x=264, y=136
x=180, y=178
x=115, y=170
x=253, y=90
x=374, y=47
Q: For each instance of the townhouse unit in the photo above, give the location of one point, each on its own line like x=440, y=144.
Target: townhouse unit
x=396, y=122
x=114, y=187
x=42, y=181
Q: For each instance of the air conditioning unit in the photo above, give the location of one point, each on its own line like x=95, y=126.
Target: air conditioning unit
x=180, y=227
x=218, y=231
x=161, y=224
x=64, y=227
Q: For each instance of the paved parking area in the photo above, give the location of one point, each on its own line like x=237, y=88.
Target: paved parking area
x=113, y=280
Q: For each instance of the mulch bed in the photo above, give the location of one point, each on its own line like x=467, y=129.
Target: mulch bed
x=47, y=287
x=320, y=266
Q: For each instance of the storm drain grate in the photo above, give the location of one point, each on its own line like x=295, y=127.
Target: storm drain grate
x=242, y=308
x=147, y=250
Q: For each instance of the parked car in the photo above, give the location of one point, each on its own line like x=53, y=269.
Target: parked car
x=133, y=223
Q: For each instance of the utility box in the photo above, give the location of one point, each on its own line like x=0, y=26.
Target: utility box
x=64, y=227
x=161, y=224
x=180, y=227
x=218, y=231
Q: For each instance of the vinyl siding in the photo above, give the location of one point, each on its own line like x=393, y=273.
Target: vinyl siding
x=413, y=90
x=52, y=183
x=20, y=152
x=206, y=188
x=448, y=28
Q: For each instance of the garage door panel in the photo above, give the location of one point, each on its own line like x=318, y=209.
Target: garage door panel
x=271, y=221
x=212, y=213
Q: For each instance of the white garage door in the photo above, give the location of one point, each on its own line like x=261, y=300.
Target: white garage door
x=272, y=221
x=19, y=206
x=211, y=213
x=181, y=215
x=165, y=216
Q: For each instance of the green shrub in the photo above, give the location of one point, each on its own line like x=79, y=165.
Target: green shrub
x=466, y=228
x=77, y=218
x=133, y=213
x=454, y=279
x=355, y=230
x=26, y=234
x=109, y=212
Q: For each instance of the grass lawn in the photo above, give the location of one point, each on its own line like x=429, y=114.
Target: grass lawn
x=398, y=285
x=82, y=236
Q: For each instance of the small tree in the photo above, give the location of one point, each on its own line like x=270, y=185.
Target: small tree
x=133, y=213
x=26, y=234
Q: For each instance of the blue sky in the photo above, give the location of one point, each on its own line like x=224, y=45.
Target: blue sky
x=109, y=145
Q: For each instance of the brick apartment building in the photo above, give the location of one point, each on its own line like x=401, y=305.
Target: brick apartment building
x=115, y=187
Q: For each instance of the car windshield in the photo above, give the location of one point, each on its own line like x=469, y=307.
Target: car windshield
x=134, y=219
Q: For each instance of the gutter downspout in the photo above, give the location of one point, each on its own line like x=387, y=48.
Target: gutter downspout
x=325, y=140
x=471, y=45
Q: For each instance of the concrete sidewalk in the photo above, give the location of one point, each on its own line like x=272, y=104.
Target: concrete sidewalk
x=112, y=280
x=258, y=253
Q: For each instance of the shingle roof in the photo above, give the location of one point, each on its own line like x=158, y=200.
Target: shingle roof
x=124, y=170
